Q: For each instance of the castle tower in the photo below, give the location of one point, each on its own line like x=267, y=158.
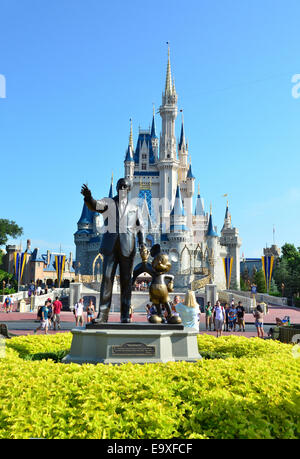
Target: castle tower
x=212, y=246
x=200, y=220
x=231, y=240
x=182, y=154
x=168, y=163
x=154, y=138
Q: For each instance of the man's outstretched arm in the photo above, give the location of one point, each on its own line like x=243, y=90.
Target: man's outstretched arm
x=93, y=205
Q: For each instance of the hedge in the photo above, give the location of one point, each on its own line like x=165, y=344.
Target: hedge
x=245, y=388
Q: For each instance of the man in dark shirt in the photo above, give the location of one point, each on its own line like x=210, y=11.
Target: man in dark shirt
x=240, y=310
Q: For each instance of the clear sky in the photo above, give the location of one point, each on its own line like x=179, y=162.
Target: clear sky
x=76, y=71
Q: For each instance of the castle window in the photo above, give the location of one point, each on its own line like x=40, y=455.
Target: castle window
x=144, y=166
x=144, y=156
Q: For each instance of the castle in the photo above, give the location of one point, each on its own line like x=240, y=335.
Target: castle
x=163, y=185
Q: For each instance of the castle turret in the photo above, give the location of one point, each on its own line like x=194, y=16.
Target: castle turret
x=231, y=241
x=182, y=154
x=168, y=163
x=154, y=138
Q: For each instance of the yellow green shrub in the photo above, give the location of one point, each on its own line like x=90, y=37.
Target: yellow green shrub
x=252, y=393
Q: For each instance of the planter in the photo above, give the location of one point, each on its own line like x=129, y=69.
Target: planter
x=286, y=333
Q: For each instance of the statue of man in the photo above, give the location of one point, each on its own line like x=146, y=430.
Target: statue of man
x=122, y=224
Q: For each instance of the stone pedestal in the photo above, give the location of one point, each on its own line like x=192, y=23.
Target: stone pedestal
x=118, y=343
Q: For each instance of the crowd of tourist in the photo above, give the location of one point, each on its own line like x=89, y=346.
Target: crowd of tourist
x=218, y=318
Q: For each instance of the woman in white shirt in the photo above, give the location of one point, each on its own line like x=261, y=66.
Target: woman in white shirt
x=189, y=310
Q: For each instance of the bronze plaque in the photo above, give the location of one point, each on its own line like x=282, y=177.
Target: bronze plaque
x=133, y=349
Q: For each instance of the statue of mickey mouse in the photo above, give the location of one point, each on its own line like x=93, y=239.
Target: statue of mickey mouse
x=161, y=285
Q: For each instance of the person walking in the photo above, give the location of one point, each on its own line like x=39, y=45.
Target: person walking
x=11, y=303
x=259, y=321
x=189, y=311
x=57, y=306
x=208, y=315
x=79, y=312
x=90, y=311
x=44, y=318
x=226, y=307
x=232, y=317
x=7, y=303
x=50, y=312
x=240, y=312
x=219, y=318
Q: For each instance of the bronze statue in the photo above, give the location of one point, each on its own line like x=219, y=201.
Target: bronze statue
x=122, y=224
x=161, y=285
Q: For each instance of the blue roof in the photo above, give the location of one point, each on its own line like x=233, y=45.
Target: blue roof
x=147, y=138
x=190, y=174
x=199, y=210
x=211, y=232
x=35, y=256
x=153, y=131
x=86, y=216
x=178, y=208
x=110, y=195
x=129, y=156
x=84, y=231
x=182, y=139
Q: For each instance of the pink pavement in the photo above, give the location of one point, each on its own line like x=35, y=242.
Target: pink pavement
x=68, y=316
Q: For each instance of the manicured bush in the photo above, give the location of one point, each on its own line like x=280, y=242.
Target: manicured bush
x=246, y=388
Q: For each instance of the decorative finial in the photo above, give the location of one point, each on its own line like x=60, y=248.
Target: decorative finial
x=153, y=109
x=210, y=209
x=131, y=135
x=199, y=189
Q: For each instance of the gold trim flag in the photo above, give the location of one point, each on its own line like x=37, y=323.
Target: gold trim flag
x=60, y=267
x=267, y=264
x=228, y=261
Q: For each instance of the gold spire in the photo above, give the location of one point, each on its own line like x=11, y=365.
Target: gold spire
x=153, y=109
x=199, y=189
x=131, y=136
x=210, y=209
x=168, y=87
x=112, y=177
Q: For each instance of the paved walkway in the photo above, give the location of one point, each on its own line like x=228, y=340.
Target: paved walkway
x=25, y=323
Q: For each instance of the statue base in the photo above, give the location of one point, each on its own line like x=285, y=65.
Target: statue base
x=118, y=343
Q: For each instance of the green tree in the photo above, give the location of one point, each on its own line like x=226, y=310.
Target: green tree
x=287, y=271
x=9, y=228
x=259, y=280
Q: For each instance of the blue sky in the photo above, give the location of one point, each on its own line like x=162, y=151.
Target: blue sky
x=77, y=70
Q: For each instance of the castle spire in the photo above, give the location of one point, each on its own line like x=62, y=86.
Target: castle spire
x=199, y=204
x=182, y=145
x=210, y=231
x=153, y=130
x=168, y=85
